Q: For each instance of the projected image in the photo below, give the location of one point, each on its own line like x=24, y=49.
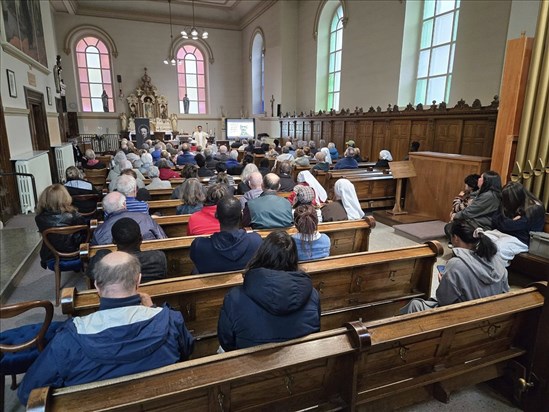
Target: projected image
x=240, y=128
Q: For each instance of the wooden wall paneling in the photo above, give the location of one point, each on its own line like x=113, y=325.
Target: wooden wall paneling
x=378, y=139
x=350, y=132
x=477, y=140
x=400, y=138
x=327, y=130
x=448, y=134
x=291, y=130
x=299, y=129
x=364, y=138
x=317, y=131
x=338, y=135
x=419, y=133
x=439, y=179
x=307, y=130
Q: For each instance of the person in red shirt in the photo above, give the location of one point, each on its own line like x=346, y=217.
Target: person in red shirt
x=204, y=222
x=166, y=172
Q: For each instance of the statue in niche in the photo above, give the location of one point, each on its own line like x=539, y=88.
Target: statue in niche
x=124, y=121
x=148, y=108
x=105, y=100
x=186, y=103
x=131, y=123
x=173, y=121
x=163, y=112
x=57, y=71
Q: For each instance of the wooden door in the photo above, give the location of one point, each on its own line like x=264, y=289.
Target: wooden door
x=38, y=125
x=9, y=199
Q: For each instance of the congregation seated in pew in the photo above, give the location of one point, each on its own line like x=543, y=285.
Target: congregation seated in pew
x=193, y=195
x=156, y=182
x=229, y=249
x=114, y=206
x=475, y=271
x=76, y=186
x=127, y=335
x=287, y=182
x=276, y=302
x=345, y=206
x=187, y=172
x=126, y=235
x=310, y=243
x=204, y=221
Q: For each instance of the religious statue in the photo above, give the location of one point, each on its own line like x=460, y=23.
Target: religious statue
x=173, y=121
x=148, y=109
x=105, y=100
x=163, y=112
x=272, y=105
x=131, y=124
x=124, y=121
x=62, y=91
x=186, y=103
x=57, y=71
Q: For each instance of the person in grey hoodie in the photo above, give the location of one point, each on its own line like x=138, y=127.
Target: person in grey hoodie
x=475, y=271
x=231, y=248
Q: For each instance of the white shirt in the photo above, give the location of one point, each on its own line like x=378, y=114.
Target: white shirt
x=201, y=138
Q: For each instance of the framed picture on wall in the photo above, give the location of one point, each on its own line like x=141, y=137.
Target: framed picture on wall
x=12, y=87
x=48, y=94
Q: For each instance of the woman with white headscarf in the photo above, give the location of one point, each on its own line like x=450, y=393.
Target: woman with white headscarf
x=307, y=179
x=346, y=206
x=385, y=157
x=328, y=156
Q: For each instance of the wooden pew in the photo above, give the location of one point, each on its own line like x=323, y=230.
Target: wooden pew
x=367, y=285
x=379, y=365
x=164, y=207
x=373, y=189
x=529, y=266
x=346, y=237
x=161, y=194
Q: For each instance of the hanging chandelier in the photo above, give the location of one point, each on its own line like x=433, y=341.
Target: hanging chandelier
x=170, y=59
x=193, y=32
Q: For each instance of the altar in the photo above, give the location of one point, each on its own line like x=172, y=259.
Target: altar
x=146, y=102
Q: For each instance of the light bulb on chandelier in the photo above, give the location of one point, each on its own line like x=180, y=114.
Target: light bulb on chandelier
x=193, y=32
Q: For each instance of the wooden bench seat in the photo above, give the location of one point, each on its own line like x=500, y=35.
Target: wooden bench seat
x=367, y=285
x=530, y=266
x=346, y=237
x=378, y=365
x=373, y=189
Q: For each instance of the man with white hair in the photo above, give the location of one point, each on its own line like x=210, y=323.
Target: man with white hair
x=156, y=182
x=255, y=181
x=127, y=335
x=222, y=155
x=114, y=205
x=127, y=170
x=127, y=185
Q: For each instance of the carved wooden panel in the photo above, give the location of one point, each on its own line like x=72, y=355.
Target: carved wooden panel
x=378, y=139
x=338, y=135
x=448, y=136
x=364, y=138
x=327, y=130
x=317, y=131
x=350, y=132
x=399, y=138
x=307, y=135
x=299, y=130
x=419, y=133
x=477, y=139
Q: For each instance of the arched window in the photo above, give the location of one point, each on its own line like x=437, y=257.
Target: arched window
x=436, y=50
x=94, y=74
x=191, y=78
x=334, y=65
x=258, y=74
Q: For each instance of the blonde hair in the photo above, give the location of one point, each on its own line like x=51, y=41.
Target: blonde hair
x=55, y=198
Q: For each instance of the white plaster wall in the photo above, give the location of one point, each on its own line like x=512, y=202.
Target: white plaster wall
x=524, y=14
x=143, y=45
x=481, y=42
x=17, y=123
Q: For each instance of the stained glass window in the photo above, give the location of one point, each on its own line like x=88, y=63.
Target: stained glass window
x=437, y=48
x=191, y=78
x=334, y=59
x=94, y=74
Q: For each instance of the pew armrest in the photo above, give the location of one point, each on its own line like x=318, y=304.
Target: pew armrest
x=68, y=296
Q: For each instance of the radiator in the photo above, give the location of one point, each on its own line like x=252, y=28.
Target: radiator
x=64, y=158
x=38, y=165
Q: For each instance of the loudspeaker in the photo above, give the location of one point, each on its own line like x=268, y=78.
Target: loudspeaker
x=119, y=78
x=278, y=110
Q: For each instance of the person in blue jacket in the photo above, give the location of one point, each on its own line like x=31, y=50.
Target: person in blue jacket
x=276, y=302
x=127, y=335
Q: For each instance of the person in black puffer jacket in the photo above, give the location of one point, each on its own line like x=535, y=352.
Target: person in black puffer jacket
x=55, y=210
x=276, y=302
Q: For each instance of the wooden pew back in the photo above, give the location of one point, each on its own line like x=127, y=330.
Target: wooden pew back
x=346, y=237
x=367, y=285
x=376, y=365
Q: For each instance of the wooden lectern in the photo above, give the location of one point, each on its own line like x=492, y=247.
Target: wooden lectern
x=400, y=170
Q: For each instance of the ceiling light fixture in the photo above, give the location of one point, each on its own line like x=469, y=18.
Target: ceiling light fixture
x=170, y=59
x=193, y=32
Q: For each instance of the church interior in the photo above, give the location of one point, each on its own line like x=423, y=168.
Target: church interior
x=466, y=80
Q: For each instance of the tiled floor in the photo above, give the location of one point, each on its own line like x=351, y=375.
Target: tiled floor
x=37, y=283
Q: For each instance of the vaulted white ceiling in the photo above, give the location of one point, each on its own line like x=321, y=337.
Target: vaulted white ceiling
x=225, y=14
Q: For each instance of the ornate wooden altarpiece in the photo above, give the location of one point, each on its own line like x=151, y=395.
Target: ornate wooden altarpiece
x=147, y=102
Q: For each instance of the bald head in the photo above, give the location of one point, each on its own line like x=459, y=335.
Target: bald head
x=117, y=275
x=255, y=180
x=271, y=182
x=114, y=202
